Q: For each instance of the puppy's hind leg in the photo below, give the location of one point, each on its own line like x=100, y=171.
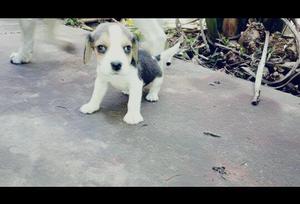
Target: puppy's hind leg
x=24, y=54
x=152, y=96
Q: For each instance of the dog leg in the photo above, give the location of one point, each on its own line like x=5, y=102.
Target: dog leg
x=24, y=54
x=93, y=105
x=52, y=38
x=152, y=96
x=133, y=115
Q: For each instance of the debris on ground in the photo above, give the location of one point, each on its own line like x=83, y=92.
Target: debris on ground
x=168, y=179
x=221, y=170
x=244, y=164
x=240, y=55
x=215, y=83
x=211, y=134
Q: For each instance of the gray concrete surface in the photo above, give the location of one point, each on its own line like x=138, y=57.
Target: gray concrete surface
x=46, y=141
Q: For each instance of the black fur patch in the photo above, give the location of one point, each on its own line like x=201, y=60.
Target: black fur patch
x=90, y=38
x=133, y=62
x=148, y=68
x=158, y=57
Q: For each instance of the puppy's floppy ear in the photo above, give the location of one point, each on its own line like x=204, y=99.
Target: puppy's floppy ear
x=88, y=50
x=135, y=50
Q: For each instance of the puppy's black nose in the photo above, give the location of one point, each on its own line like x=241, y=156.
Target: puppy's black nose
x=116, y=65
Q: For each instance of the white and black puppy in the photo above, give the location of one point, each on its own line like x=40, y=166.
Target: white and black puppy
x=123, y=65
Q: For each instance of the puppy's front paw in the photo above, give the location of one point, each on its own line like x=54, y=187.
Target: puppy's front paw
x=89, y=108
x=132, y=119
x=16, y=58
x=152, y=97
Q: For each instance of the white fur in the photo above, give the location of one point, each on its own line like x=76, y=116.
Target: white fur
x=126, y=79
x=152, y=29
x=165, y=56
x=155, y=88
x=24, y=54
x=155, y=39
x=154, y=36
x=28, y=26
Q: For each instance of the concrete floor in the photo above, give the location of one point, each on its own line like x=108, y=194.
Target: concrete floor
x=46, y=141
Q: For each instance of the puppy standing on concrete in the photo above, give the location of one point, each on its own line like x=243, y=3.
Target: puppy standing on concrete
x=122, y=64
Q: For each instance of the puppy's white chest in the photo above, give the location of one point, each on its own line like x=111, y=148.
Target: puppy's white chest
x=119, y=82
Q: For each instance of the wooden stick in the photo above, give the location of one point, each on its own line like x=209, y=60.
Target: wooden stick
x=296, y=65
x=114, y=20
x=296, y=24
x=89, y=20
x=252, y=74
x=203, y=36
x=85, y=27
x=191, y=21
x=203, y=57
x=260, y=70
x=178, y=25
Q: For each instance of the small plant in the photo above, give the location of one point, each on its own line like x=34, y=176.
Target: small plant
x=138, y=34
x=72, y=22
x=270, y=51
x=129, y=23
x=225, y=41
x=242, y=50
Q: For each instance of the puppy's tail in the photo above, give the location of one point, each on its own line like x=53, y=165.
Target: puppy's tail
x=164, y=59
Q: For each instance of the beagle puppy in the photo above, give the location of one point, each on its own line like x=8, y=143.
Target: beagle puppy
x=121, y=64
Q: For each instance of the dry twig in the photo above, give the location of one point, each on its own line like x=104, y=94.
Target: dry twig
x=89, y=20
x=297, y=37
x=203, y=36
x=260, y=70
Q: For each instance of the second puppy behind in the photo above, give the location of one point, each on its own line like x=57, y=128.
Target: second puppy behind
x=123, y=65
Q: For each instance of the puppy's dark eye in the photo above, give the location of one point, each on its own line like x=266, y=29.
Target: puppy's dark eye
x=127, y=49
x=102, y=49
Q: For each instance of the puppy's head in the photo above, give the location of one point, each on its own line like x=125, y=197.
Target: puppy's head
x=115, y=47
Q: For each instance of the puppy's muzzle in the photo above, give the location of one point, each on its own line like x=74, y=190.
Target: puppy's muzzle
x=116, y=65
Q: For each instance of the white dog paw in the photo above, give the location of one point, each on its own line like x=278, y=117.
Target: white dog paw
x=152, y=97
x=133, y=119
x=16, y=58
x=89, y=108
